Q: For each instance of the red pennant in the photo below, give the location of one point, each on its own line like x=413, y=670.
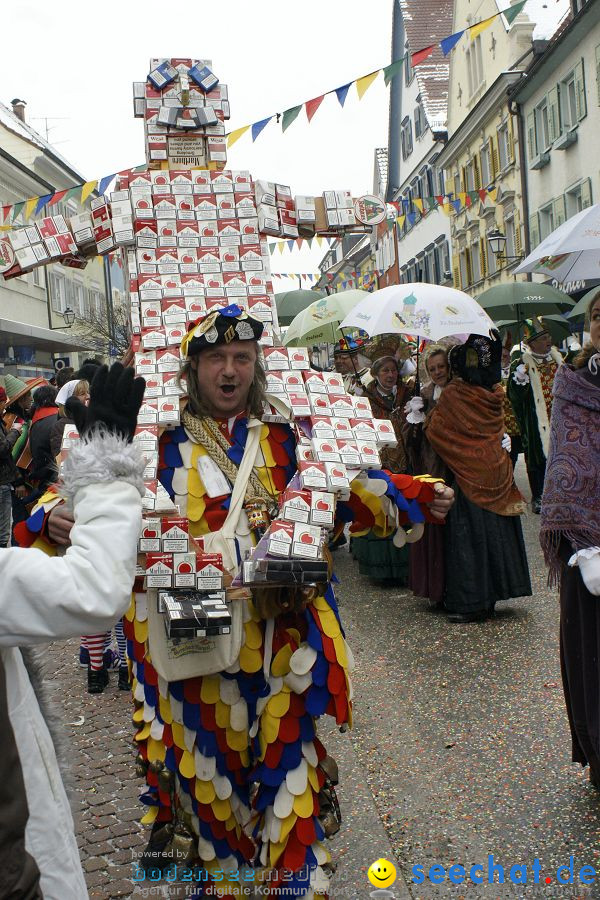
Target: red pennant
x=482, y=194
x=421, y=55
x=313, y=105
x=467, y=201
x=6, y=212
x=299, y=242
x=58, y=196
x=440, y=199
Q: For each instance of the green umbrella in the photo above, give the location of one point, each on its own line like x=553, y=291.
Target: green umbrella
x=319, y=322
x=290, y=303
x=519, y=300
x=558, y=326
x=578, y=313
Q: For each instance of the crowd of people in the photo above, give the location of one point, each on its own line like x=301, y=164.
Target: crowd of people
x=235, y=772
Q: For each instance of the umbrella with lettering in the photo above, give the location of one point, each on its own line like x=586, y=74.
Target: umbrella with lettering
x=571, y=252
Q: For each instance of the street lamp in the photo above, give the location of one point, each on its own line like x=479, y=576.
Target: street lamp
x=497, y=242
x=69, y=317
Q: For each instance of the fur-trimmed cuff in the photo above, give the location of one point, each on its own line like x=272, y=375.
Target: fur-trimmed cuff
x=103, y=457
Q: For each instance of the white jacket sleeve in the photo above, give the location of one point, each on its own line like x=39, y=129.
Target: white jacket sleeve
x=89, y=588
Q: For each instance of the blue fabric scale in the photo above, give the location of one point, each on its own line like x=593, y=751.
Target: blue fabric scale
x=172, y=456
x=291, y=756
x=36, y=520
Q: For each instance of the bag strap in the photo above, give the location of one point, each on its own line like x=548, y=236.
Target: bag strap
x=240, y=485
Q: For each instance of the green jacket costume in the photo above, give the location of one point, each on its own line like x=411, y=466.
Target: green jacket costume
x=529, y=407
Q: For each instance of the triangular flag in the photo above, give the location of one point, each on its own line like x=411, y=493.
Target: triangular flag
x=342, y=92
x=299, y=242
x=290, y=245
x=456, y=204
x=492, y=194
x=6, y=212
x=319, y=240
x=432, y=203
x=449, y=43
x=393, y=69
x=271, y=247
x=312, y=106
x=422, y=55
x=17, y=210
x=419, y=204
x=289, y=116
x=41, y=203
x=473, y=196
x=309, y=242
x=87, y=189
x=281, y=246
x=482, y=194
x=412, y=218
x=234, y=136
x=476, y=29
x=258, y=127
x=446, y=208
x=72, y=191
x=104, y=183
x=363, y=84
x=56, y=197
x=329, y=241
x=401, y=220
x=512, y=12
x=462, y=198
x=440, y=199
x=310, y=277
x=30, y=206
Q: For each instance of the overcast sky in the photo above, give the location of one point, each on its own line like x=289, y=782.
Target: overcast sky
x=78, y=60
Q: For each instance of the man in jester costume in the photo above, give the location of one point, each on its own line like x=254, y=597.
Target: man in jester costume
x=234, y=757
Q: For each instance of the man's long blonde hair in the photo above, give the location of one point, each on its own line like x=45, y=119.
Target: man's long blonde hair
x=196, y=404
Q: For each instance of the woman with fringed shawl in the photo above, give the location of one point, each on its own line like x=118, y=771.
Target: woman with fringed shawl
x=570, y=538
x=485, y=553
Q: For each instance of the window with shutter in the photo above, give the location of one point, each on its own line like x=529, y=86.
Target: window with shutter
x=534, y=231
x=511, y=139
x=580, y=91
x=518, y=238
x=586, y=193
x=559, y=211
x=476, y=175
x=531, y=137
x=483, y=257
x=469, y=265
x=553, y=115
x=495, y=160
x=456, y=277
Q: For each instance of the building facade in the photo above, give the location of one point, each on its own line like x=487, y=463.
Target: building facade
x=481, y=160
x=32, y=327
x=559, y=104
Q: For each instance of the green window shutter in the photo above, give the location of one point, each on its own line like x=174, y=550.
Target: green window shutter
x=553, y=115
x=580, y=91
x=598, y=72
x=531, y=141
x=534, y=231
x=586, y=193
x=518, y=241
x=560, y=213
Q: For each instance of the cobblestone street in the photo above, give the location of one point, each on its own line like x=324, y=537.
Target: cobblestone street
x=460, y=748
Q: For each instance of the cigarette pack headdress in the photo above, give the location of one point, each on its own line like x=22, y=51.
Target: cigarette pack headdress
x=222, y=326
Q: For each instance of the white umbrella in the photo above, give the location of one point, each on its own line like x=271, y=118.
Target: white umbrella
x=571, y=252
x=319, y=322
x=425, y=310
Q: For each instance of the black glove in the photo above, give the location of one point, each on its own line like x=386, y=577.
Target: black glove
x=115, y=399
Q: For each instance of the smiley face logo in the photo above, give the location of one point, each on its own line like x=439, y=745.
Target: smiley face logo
x=381, y=873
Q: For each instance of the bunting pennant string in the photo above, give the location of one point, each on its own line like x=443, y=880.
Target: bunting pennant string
x=364, y=82
x=258, y=127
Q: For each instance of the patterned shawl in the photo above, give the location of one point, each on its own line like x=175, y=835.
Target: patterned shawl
x=571, y=501
x=465, y=428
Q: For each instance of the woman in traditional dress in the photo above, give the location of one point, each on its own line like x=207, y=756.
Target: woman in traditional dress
x=485, y=552
x=426, y=557
x=570, y=538
x=375, y=552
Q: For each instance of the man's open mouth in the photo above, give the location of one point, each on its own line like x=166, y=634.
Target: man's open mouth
x=228, y=388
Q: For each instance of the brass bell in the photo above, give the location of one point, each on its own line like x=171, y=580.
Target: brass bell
x=329, y=823
x=181, y=848
x=330, y=767
x=165, y=780
x=156, y=766
x=141, y=766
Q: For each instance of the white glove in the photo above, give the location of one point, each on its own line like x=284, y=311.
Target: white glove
x=414, y=411
x=17, y=426
x=588, y=561
x=520, y=375
x=506, y=443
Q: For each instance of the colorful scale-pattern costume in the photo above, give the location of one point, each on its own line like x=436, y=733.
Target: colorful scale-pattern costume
x=242, y=745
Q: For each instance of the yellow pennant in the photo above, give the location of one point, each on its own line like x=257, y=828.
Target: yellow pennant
x=363, y=84
x=401, y=220
x=87, y=189
x=236, y=135
x=463, y=198
x=30, y=205
x=447, y=208
x=474, y=30
x=281, y=246
x=319, y=241
x=492, y=194
x=419, y=204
